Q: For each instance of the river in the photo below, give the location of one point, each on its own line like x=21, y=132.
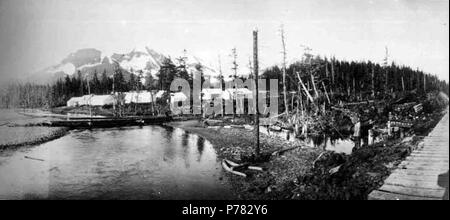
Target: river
x=150, y=162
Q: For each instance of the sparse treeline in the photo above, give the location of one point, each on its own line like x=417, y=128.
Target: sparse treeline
x=351, y=81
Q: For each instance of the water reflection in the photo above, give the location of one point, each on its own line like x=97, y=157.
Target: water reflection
x=200, y=146
x=131, y=163
x=331, y=144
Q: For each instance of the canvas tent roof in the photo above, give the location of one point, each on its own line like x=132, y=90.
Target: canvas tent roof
x=79, y=101
x=101, y=100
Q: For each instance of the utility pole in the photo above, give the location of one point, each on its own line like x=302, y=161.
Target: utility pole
x=255, y=69
x=286, y=110
x=234, y=68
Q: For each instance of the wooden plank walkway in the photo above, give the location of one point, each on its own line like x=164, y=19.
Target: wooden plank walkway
x=424, y=174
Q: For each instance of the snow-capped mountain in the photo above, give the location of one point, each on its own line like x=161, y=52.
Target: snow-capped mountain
x=90, y=60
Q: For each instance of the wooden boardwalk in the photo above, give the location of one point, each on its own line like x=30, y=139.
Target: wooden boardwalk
x=424, y=174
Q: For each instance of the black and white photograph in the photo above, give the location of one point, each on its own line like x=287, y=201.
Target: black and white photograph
x=230, y=100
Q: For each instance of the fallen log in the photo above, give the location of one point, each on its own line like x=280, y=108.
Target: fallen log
x=229, y=169
x=236, y=166
x=255, y=168
x=233, y=164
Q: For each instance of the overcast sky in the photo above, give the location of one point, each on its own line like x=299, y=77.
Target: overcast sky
x=37, y=33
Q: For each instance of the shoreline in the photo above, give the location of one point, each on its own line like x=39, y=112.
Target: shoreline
x=306, y=173
x=280, y=171
x=33, y=136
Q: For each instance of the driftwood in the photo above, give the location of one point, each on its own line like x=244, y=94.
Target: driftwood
x=32, y=158
x=233, y=164
x=229, y=169
x=255, y=168
x=233, y=167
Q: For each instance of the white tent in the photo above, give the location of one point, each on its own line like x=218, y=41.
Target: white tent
x=143, y=96
x=79, y=101
x=138, y=97
x=85, y=100
x=74, y=101
x=102, y=100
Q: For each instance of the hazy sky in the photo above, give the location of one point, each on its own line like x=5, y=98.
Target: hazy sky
x=37, y=33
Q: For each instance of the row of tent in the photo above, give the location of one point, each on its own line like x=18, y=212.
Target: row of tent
x=103, y=100
x=145, y=97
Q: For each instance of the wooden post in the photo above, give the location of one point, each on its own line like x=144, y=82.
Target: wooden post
x=255, y=69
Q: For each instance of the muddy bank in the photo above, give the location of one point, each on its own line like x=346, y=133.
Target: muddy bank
x=237, y=143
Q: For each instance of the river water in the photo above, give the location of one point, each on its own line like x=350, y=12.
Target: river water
x=150, y=162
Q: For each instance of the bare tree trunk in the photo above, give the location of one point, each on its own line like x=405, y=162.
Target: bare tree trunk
x=373, y=81
x=332, y=71
x=284, y=72
x=386, y=63
x=326, y=93
x=424, y=83
x=403, y=84
x=314, y=86
x=304, y=88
